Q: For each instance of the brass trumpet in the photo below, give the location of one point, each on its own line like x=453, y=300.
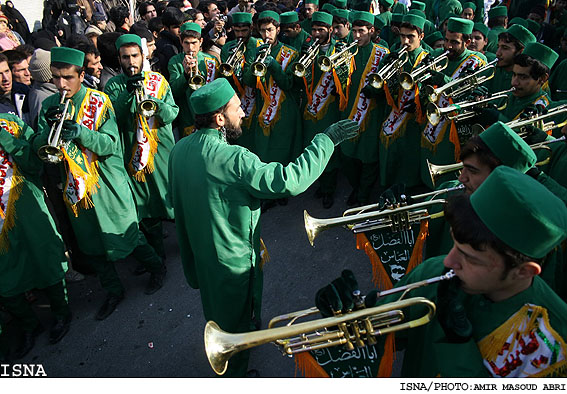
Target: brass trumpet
x=545, y=145
x=52, y=152
x=196, y=80
x=539, y=120
x=144, y=105
x=360, y=327
x=422, y=73
x=463, y=84
x=300, y=67
x=376, y=80
x=465, y=109
x=436, y=171
x=326, y=63
x=236, y=55
x=259, y=68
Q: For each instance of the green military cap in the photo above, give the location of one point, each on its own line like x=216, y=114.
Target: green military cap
x=417, y=5
x=542, y=53
x=470, y=5
x=128, y=39
x=520, y=33
x=482, y=28
x=520, y=211
x=322, y=17
x=363, y=16
x=532, y=26
x=211, y=96
x=495, y=12
x=378, y=23
x=67, y=55
x=316, y=2
x=328, y=7
x=414, y=20
x=508, y=147
x=190, y=26
x=387, y=3
x=397, y=18
x=417, y=12
x=460, y=25
x=433, y=38
x=517, y=20
x=341, y=4
x=340, y=13
x=288, y=17
x=242, y=17
x=269, y=14
x=449, y=16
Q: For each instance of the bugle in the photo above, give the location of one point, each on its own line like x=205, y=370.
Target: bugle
x=259, y=68
x=300, y=67
x=195, y=79
x=465, y=109
x=436, y=171
x=326, y=63
x=52, y=152
x=144, y=105
x=376, y=80
x=422, y=73
x=461, y=85
x=236, y=55
x=359, y=327
x=545, y=145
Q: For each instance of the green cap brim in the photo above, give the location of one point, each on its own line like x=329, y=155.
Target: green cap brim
x=125, y=39
x=190, y=26
x=67, y=55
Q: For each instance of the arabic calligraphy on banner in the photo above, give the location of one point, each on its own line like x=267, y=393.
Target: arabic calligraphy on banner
x=340, y=363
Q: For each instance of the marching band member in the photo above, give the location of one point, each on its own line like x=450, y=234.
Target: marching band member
x=497, y=22
x=291, y=32
x=309, y=7
x=479, y=41
x=216, y=190
x=99, y=200
x=341, y=26
x=146, y=139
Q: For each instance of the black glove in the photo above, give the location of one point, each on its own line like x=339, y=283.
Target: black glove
x=134, y=82
x=70, y=130
x=533, y=172
x=342, y=130
x=479, y=91
x=371, y=92
x=53, y=114
x=451, y=312
x=437, y=78
x=390, y=57
x=533, y=110
x=337, y=296
x=394, y=195
x=533, y=134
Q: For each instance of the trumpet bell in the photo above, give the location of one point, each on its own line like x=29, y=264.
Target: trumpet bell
x=406, y=81
x=147, y=108
x=325, y=64
x=433, y=114
x=299, y=70
x=259, y=69
x=196, y=81
x=226, y=70
x=435, y=171
x=376, y=81
x=50, y=154
x=218, y=348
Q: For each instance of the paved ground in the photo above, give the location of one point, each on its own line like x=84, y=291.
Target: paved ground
x=162, y=335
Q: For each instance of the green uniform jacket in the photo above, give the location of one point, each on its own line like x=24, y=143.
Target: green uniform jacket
x=296, y=42
x=306, y=25
x=35, y=257
x=216, y=190
x=149, y=195
x=429, y=354
x=516, y=105
x=558, y=82
x=111, y=226
x=501, y=81
x=365, y=146
x=493, y=38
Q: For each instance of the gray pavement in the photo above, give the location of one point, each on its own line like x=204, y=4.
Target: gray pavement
x=162, y=335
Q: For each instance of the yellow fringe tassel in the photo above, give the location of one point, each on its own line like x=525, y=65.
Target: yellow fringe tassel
x=387, y=362
x=308, y=366
x=10, y=214
x=417, y=252
x=153, y=139
x=380, y=277
x=264, y=255
x=389, y=98
x=419, y=116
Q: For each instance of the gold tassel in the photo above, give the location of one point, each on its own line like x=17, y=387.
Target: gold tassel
x=308, y=366
x=264, y=255
x=417, y=253
x=380, y=277
x=387, y=362
x=10, y=218
x=387, y=140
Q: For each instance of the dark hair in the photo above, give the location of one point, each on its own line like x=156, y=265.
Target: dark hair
x=172, y=17
x=15, y=57
x=143, y=7
x=264, y=21
x=25, y=48
x=510, y=39
x=292, y=25
x=161, y=7
x=464, y=37
x=61, y=65
x=189, y=33
x=142, y=31
x=222, y=6
x=155, y=24
x=321, y=24
x=87, y=49
x=538, y=69
x=340, y=20
x=204, y=6
x=176, y=4
x=408, y=25
x=497, y=21
x=192, y=13
x=3, y=58
x=360, y=23
x=118, y=14
x=204, y=121
x=108, y=52
x=467, y=228
x=476, y=146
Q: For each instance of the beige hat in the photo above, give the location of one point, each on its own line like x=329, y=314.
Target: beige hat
x=92, y=29
x=40, y=65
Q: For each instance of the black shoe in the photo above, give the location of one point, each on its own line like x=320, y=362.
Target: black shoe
x=352, y=199
x=59, y=329
x=27, y=344
x=156, y=281
x=328, y=201
x=139, y=270
x=108, y=306
x=282, y=201
x=253, y=373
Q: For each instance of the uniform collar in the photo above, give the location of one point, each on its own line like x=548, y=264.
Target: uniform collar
x=213, y=133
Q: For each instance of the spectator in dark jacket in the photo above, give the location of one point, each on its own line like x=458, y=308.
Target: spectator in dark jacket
x=108, y=57
x=168, y=43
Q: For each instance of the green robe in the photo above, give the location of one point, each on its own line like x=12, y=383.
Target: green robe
x=501, y=81
x=364, y=147
x=149, y=195
x=386, y=17
x=216, y=190
x=440, y=9
x=306, y=24
x=181, y=92
x=34, y=256
x=111, y=226
x=399, y=150
x=429, y=354
x=493, y=38
x=516, y=105
x=296, y=42
x=558, y=82
x=279, y=139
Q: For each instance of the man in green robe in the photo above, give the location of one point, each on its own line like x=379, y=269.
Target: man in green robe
x=497, y=317
x=479, y=41
x=360, y=154
x=31, y=250
x=341, y=25
x=100, y=204
x=385, y=8
x=511, y=43
x=216, y=190
x=497, y=22
x=291, y=32
x=188, y=70
x=147, y=138
x=309, y=7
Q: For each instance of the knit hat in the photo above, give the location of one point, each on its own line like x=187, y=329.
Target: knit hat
x=40, y=65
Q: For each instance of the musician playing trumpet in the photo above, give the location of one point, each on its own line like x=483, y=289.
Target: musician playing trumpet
x=188, y=66
x=146, y=140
